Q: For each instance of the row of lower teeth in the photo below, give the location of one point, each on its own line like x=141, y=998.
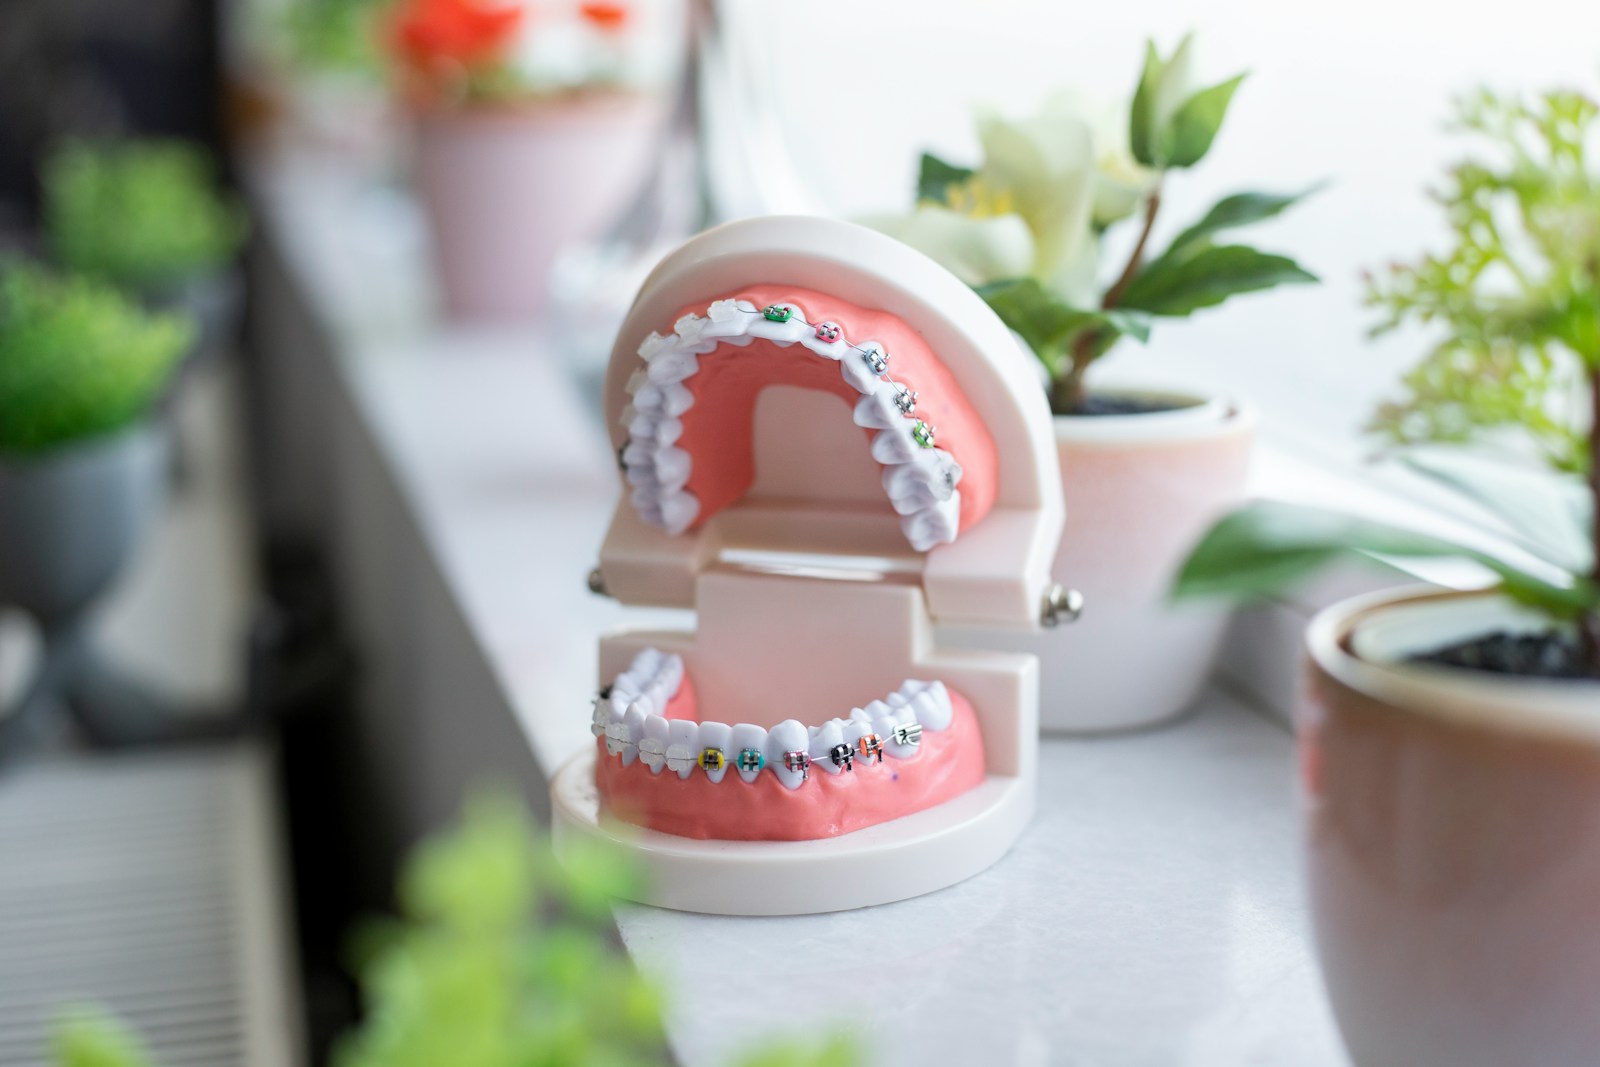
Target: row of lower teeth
x=628, y=715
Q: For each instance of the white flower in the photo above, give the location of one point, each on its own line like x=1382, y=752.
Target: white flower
x=1063, y=174
x=975, y=248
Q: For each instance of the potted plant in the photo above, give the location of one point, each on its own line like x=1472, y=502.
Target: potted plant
x=531, y=131
x=148, y=216
x=1450, y=742
x=1144, y=471
x=81, y=462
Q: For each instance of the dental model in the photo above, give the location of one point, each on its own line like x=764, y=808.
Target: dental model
x=827, y=445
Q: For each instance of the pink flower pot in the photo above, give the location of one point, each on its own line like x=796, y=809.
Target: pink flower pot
x=1140, y=490
x=505, y=189
x=1454, y=841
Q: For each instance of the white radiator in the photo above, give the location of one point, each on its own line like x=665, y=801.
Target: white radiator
x=152, y=886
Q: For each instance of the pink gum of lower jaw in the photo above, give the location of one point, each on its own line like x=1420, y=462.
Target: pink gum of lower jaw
x=940, y=401
x=949, y=763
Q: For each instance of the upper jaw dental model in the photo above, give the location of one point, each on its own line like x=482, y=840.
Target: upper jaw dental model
x=684, y=467
x=917, y=746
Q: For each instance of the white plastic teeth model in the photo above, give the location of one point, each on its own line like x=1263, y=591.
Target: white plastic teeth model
x=919, y=479
x=640, y=731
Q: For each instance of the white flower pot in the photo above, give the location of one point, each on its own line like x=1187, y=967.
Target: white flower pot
x=505, y=189
x=1454, y=840
x=1140, y=490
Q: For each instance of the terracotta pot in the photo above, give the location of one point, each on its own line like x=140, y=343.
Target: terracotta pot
x=1454, y=839
x=506, y=189
x=1140, y=490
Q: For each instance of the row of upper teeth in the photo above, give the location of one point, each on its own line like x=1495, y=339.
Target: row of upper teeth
x=628, y=714
x=919, y=478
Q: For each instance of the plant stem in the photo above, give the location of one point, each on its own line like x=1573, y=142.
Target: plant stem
x=1118, y=288
x=1589, y=625
x=1067, y=393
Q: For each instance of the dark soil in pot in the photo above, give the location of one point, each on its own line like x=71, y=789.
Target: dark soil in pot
x=1547, y=655
x=1124, y=405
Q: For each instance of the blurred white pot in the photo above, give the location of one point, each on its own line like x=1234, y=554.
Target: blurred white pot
x=505, y=189
x=1140, y=490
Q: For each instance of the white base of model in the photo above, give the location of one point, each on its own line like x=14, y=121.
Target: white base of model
x=892, y=861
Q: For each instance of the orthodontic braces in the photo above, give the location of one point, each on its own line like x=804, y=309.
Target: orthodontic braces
x=873, y=354
x=869, y=747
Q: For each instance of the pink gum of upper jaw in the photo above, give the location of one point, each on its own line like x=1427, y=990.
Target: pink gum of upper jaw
x=949, y=763
x=726, y=387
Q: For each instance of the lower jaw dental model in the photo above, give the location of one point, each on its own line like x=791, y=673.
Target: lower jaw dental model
x=662, y=769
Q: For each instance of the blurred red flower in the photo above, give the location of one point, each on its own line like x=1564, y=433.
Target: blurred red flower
x=432, y=33
x=606, y=16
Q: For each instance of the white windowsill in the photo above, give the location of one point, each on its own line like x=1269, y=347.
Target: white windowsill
x=1152, y=914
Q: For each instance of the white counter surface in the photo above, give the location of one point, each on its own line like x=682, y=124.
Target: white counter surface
x=1152, y=915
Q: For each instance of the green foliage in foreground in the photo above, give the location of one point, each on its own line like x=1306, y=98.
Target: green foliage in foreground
x=144, y=214
x=77, y=359
x=503, y=957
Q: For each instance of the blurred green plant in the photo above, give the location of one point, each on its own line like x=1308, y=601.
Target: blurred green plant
x=1025, y=228
x=501, y=957
x=88, y=1037
x=341, y=36
x=1515, y=372
x=77, y=358
x=145, y=214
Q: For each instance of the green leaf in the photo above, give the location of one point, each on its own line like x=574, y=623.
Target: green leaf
x=935, y=178
x=1050, y=326
x=88, y=1037
x=1240, y=209
x=1142, y=135
x=1187, y=139
x=1267, y=547
x=1203, y=278
x=1550, y=514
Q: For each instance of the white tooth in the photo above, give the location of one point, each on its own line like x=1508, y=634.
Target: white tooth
x=877, y=410
x=629, y=412
x=604, y=715
x=622, y=738
x=689, y=327
x=653, y=344
x=678, y=511
x=883, y=725
x=860, y=714
x=636, y=452
x=673, y=365
x=646, y=703
x=935, y=525
x=646, y=664
x=653, y=745
x=670, y=673
x=683, y=746
x=823, y=742
x=932, y=706
x=729, y=310
x=787, y=736
x=641, y=475
x=738, y=340
x=638, y=380
x=675, y=400
x=900, y=697
x=672, y=468
x=717, y=735
x=894, y=446
x=862, y=378
x=668, y=431
x=748, y=736
x=919, y=484
x=648, y=400
x=643, y=424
